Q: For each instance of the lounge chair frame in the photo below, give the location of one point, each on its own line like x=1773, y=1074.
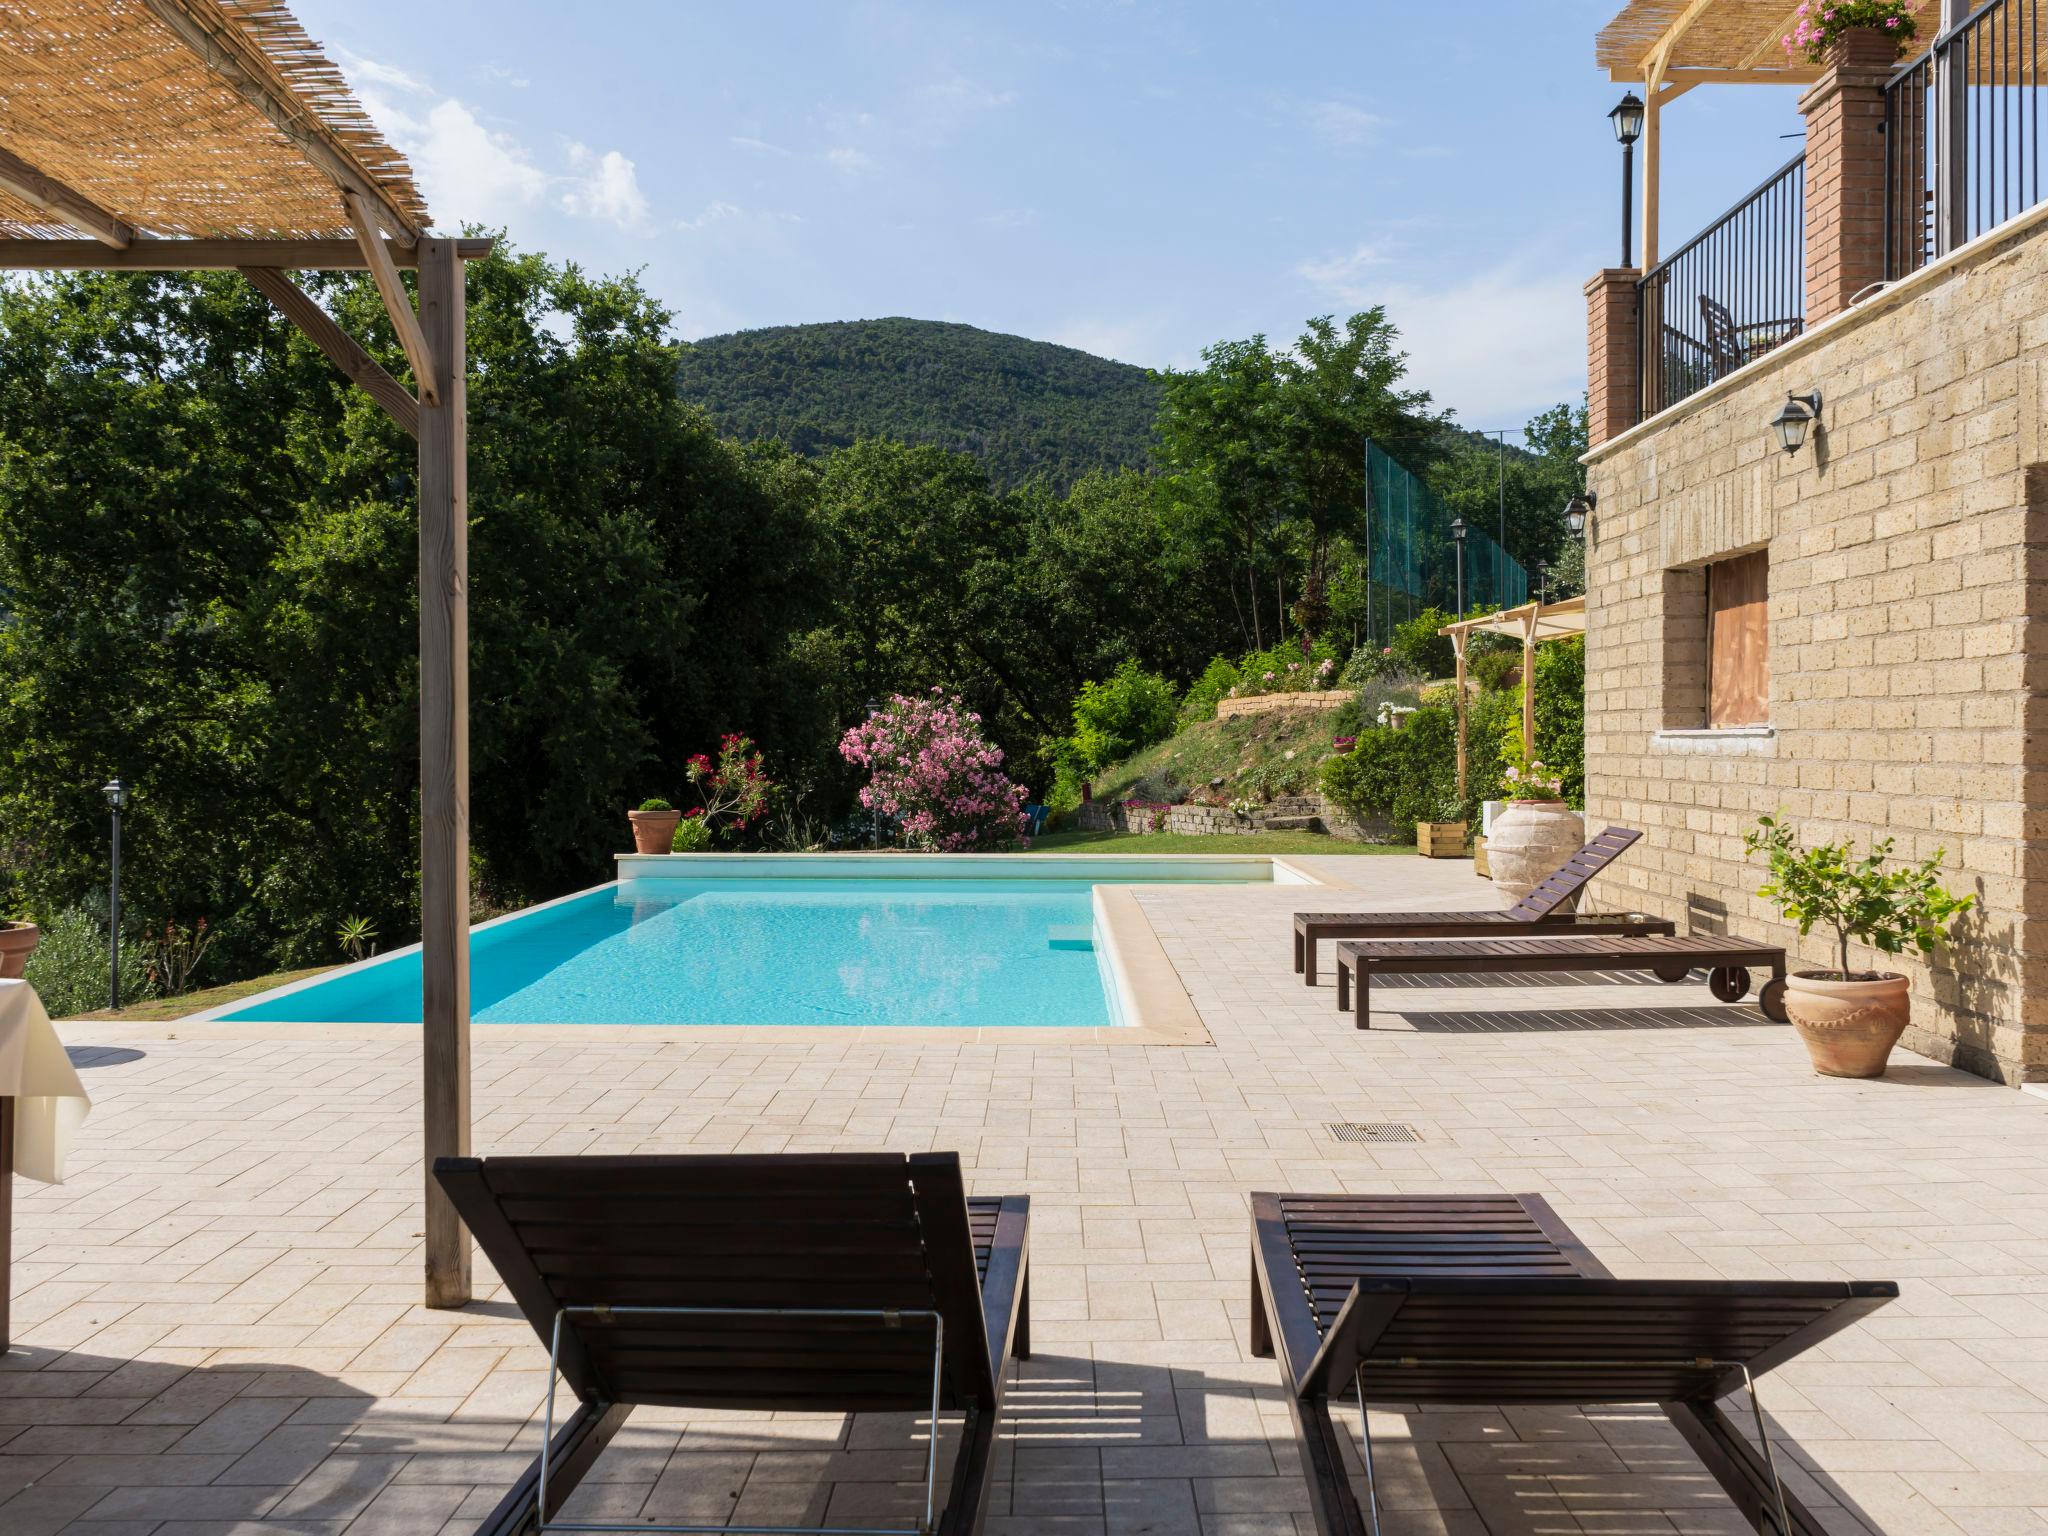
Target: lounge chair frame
x=1670, y=957
x=1541, y=913
x=896, y=1237
x=1510, y=1253
x=890, y=1317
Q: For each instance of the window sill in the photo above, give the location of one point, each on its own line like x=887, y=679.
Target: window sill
x=1727, y=740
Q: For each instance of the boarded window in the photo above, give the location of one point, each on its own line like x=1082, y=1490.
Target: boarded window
x=1738, y=641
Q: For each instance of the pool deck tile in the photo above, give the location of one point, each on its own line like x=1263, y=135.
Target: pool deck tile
x=217, y=1326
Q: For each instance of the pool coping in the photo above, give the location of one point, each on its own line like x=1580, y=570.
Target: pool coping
x=1149, y=991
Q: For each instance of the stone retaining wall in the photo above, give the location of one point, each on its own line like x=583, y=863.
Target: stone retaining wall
x=1220, y=820
x=1269, y=703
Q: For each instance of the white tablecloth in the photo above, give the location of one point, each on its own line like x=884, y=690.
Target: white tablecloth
x=49, y=1100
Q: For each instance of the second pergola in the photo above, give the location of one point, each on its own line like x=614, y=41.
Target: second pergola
x=1531, y=624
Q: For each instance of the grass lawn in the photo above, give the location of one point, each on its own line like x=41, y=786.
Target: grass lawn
x=1195, y=842
x=159, y=1008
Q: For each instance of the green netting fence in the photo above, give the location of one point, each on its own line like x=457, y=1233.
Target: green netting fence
x=1414, y=560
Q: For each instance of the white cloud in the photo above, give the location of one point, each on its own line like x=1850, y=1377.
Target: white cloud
x=760, y=146
x=470, y=172
x=604, y=187
x=1497, y=345
x=505, y=75
x=1140, y=339
x=1341, y=273
x=1010, y=218
x=722, y=212
x=850, y=160
x=1342, y=123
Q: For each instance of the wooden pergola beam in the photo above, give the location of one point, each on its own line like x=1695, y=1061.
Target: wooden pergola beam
x=61, y=202
x=341, y=348
x=151, y=255
x=224, y=54
x=397, y=302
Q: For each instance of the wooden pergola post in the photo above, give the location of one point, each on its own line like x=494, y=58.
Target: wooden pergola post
x=1529, y=679
x=444, y=761
x=1458, y=649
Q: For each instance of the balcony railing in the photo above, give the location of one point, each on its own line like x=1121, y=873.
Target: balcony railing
x=1727, y=296
x=1963, y=134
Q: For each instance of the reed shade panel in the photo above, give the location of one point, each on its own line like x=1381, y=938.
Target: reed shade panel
x=1729, y=35
x=107, y=98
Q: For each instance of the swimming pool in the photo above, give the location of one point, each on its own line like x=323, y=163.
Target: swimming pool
x=922, y=949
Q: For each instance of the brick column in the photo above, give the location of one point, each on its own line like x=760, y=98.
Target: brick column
x=1844, y=112
x=1614, y=392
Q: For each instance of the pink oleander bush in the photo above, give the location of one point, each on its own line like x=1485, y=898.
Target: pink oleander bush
x=933, y=773
x=1819, y=22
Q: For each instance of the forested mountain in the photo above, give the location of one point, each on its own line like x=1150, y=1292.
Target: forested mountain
x=1022, y=407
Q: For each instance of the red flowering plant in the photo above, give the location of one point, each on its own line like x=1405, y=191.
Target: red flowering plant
x=733, y=789
x=933, y=773
x=1819, y=22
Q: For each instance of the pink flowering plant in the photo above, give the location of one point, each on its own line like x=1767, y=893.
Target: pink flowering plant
x=1819, y=22
x=933, y=773
x=733, y=789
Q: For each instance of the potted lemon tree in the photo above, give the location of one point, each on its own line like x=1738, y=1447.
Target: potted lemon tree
x=1850, y=1020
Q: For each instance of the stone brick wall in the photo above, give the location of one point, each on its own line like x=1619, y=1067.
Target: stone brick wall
x=1271, y=703
x=1908, y=548
x=1216, y=820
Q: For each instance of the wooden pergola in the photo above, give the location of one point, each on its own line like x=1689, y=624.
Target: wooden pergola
x=183, y=134
x=1532, y=624
x=1669, y=46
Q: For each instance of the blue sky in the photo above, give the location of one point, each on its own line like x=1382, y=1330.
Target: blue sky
x=1138, y=180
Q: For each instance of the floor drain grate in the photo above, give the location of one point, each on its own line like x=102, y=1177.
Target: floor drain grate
x=1372, y=1130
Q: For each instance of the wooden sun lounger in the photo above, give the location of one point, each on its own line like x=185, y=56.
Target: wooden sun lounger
x=1670, y=957
x=1539, y=912
x=800, y=1282
x=1490, y=1299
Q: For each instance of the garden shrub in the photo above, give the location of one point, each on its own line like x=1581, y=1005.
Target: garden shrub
x=935, y=775
x=1493, y=669
x=1124, y=713
x=1561, y=713
x=69, y=967
x=1206, y=692
x=693, y=834
x=1417, y=647
x=1285, y=668
x=655, y=803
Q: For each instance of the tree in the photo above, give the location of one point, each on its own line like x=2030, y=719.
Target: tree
x=207, y=545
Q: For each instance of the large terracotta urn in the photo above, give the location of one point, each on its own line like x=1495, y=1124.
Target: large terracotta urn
x=1530, y=839
x=1848, y=1027
x=17, y=942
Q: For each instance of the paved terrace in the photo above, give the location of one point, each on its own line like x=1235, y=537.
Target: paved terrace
x=218, y=1330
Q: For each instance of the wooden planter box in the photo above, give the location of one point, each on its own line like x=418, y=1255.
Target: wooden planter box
x=1479, y=858
x=1441, y=839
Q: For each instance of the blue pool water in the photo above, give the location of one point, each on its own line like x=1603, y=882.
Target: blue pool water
x=760, y=951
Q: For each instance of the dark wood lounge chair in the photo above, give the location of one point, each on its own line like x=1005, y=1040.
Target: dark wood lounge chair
x=1671, y=958
x=797, y=1282
x=1490, y=1299
x=1542, y=911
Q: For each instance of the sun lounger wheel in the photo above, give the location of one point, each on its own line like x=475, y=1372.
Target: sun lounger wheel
x=1671, y=970
x=1772, y=1001
x=1730, y=983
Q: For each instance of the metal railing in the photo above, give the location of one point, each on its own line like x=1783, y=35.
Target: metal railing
x=1963, y=136
x=1727, y=296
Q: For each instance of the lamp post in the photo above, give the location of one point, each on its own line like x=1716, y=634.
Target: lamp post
x=1458, y=543
x=116, y=792
x=1627, y=118
x=1542, y=582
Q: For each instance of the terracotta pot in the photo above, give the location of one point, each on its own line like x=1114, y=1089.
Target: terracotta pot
x=1530, y=839
x=17, y=942
x=1848, y=1027
x=653, y=831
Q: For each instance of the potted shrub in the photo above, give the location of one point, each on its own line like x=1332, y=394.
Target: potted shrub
x=654, y=826
x=1535, y=832
x=17, y=942
x=1850, y=1020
